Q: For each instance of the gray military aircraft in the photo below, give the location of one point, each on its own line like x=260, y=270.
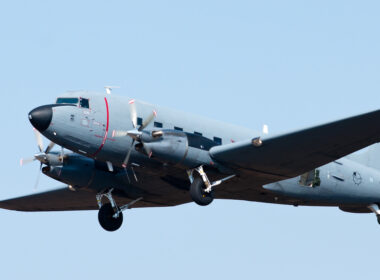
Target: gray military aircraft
x=126, y=153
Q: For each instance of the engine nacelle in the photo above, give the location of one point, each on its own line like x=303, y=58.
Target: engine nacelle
x=177, y=148
x=82, y=172
x=75, y=170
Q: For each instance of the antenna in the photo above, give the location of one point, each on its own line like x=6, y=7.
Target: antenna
x=109, y=88
x=265, y=129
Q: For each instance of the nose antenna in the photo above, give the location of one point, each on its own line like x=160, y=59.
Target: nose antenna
x=110, y=88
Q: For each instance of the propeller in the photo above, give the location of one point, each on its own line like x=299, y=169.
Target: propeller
x=43, y=156
x=135, y=133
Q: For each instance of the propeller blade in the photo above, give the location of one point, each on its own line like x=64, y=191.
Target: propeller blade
x=131, y=133
x=50, y=147
x=148, y=120
x=25, y=161
x=62, y=155
x=126, y=160
x=148, y=150
x=119, y=133
x=40, y=143
x=38, y=178
x=132, y=106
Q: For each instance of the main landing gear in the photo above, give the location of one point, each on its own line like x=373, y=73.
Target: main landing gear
x=199, y=194
x=110, y=216
x=109, y=219
x=375, y=209
x=201, y=189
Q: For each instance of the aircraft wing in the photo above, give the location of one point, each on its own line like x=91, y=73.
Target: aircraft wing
x=63, y=199
x=289, y=155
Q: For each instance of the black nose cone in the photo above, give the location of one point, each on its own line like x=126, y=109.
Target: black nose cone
x=41, y=117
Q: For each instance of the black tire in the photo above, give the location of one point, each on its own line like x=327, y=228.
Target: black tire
x=378, y=219
x=106, y=219
x=198, y=194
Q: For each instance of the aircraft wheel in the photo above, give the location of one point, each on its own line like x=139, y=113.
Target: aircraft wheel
x=106, y=219
x=198, y=194
x=378, y=219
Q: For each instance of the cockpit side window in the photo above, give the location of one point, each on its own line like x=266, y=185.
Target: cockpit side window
x=84, y=103
x=67, y=100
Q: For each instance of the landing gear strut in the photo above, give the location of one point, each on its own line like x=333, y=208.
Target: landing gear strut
x=375, y=209
x=201, y=189
x=110, y=216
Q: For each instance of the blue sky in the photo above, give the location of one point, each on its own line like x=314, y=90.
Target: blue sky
x=288, y=64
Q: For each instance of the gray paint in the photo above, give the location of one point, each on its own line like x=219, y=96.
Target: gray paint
x=162, y=184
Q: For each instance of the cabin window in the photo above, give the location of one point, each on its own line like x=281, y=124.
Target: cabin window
x=67, y=100
x=158, y=124
x=218, y=140
x=139, y=121
x=178, y=128
x=84, y=103
x=198, y=133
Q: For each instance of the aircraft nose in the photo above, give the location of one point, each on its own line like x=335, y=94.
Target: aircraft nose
x=41, y=117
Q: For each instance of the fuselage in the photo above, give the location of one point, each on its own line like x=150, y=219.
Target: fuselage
x=342, y=182
x=87, y=123
x=90, y=131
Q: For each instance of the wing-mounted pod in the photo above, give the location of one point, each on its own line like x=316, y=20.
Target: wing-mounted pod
x=175, y=147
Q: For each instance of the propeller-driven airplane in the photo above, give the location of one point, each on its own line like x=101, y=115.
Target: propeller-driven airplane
x=126, y=153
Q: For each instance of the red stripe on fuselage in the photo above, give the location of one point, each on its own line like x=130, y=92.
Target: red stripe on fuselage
x=107, y=127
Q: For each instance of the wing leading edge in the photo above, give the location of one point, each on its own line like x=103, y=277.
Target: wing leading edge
x=289, y=155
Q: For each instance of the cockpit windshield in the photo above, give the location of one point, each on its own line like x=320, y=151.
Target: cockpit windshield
x=67, y=100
